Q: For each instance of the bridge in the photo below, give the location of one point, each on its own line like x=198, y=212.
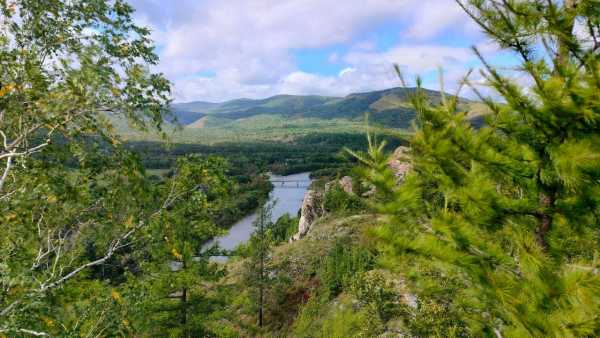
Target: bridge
x=291, y=184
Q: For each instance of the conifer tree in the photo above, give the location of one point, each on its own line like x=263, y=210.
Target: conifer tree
x=502, y=223
x=258, y=265
x=176, y=302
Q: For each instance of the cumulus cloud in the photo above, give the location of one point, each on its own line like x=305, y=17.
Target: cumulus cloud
x=248, y=46
x=432, y=17
x=417, y=58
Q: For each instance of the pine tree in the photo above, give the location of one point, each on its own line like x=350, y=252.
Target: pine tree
x=174, y=274
x=257, y=274
x=501, y=224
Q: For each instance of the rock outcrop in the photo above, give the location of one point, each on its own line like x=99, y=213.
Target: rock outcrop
x=399, y=162
x=308, y=214
x=346, y=184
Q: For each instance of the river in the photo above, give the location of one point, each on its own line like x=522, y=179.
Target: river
x=287, y=194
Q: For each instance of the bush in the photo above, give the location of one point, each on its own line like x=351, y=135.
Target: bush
x=437, y=319
x=374, y=291
x=319, y=318
x=337, y=200
x=342, y=265
x=285, y=227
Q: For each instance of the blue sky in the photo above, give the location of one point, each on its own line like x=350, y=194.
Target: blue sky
x=216, y=50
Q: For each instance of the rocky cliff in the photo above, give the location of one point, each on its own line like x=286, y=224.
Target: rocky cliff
x=399, y=162
x=308, y=214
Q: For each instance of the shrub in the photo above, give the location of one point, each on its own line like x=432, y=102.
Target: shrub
x=337, y=200
x=342, y=265
x=285, y=227
x=374, y=291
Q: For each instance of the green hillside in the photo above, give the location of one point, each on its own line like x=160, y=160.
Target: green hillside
x=287, y=117
x=388, y=107
x=284, y=117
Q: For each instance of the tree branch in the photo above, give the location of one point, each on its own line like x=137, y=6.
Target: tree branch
x=27, y=331
x=5, y=173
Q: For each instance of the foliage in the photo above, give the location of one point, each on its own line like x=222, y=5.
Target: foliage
x=171, y=273
x=436, y=319
x=509, y=210
x=337, y=200
x=373, y=290
x=248, y=159
x=258, y=266
x=342, y=266
x=82, y=221
x=284, y=228
x=321, y=319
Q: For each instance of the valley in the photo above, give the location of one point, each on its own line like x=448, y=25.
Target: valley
x=398, y=212
x=285, y=118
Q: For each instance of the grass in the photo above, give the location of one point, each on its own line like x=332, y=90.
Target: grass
x=217, y=130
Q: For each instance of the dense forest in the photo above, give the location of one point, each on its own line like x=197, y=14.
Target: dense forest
x=283, y=158
x=452, y=230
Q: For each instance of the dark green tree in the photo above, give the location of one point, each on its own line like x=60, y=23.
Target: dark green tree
x=284, y=228
x=174, y=276
x=501, y=225
x=258, y=267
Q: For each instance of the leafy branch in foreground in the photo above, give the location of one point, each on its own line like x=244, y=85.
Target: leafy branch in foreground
x=66, y=69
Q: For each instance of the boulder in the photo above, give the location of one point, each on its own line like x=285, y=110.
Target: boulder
x=346, y=184
x=400, y=164
x=308, y=214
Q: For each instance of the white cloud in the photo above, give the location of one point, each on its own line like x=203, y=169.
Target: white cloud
x=347, y=71
x=432, y=17
x=333, y=58
x=249, y=45
x=416, y=58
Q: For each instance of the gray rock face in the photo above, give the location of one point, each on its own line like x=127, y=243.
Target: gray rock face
x=399, y=162
x=308, y=214
x=346, y=184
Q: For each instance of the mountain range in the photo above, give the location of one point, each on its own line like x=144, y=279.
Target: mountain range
x=288, y=117
x=388, y=108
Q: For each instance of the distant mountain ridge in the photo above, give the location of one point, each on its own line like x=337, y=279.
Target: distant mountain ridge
x=389, y=107
x=285, y=118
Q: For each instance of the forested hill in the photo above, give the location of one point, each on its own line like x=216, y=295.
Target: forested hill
x=289, y=117
x=390, y=107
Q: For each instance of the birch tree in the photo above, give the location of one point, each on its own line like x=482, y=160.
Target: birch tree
x=67, y=70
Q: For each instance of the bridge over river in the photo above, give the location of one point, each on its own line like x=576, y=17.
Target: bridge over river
x=291, y=183
x=288, y=193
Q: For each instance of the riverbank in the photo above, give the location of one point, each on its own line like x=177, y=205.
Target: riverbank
x=287, y=195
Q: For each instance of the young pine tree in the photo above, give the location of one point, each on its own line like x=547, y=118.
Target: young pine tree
x=501, y=224
x=176, y=303
x=259, y=257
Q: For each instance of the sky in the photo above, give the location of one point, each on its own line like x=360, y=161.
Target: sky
x=218, y=50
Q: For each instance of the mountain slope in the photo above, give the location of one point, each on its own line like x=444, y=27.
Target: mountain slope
x=389, y=107
x=288, y=117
